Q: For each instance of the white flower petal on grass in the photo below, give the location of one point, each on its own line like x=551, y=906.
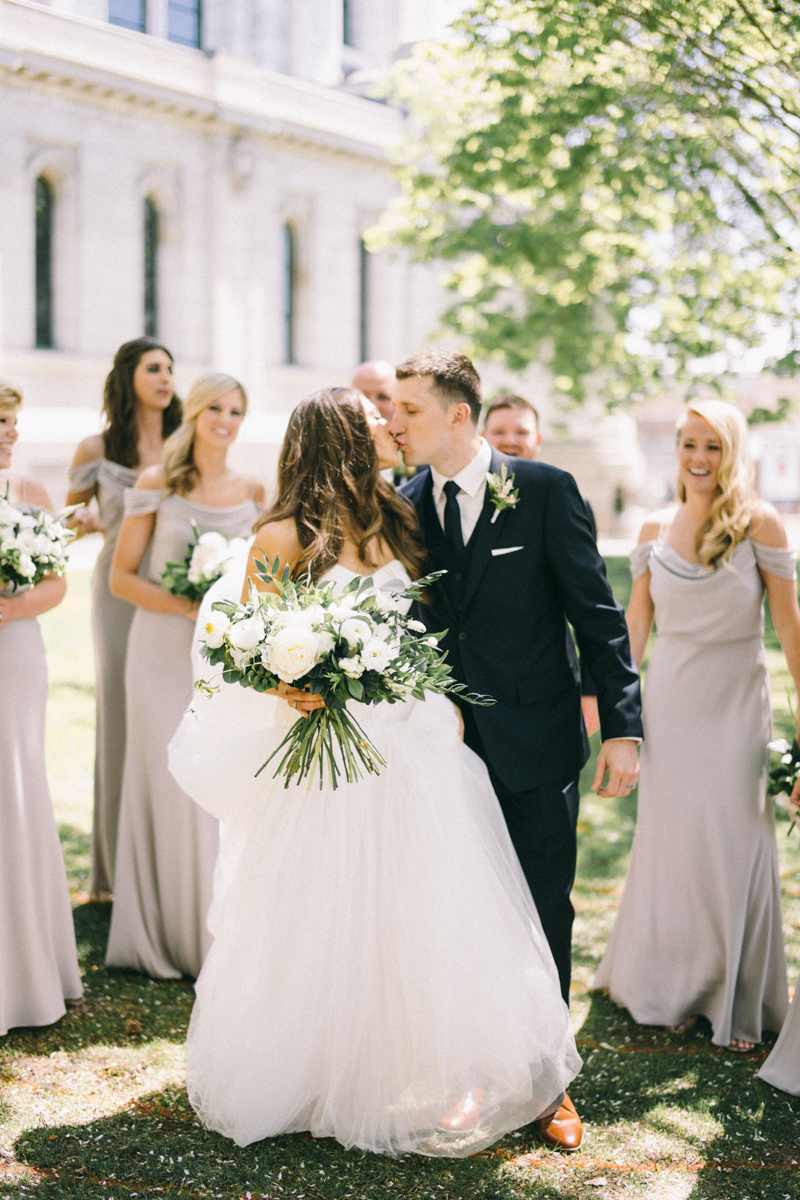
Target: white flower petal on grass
x=214, y=629
x=291, y=653
x=246, y=634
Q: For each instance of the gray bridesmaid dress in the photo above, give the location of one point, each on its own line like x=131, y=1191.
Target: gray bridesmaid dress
x=38, y=959
x=111, y=623
x=167, y=845
x=699, y=929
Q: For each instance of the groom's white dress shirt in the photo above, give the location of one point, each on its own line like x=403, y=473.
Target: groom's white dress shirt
x=472, y=481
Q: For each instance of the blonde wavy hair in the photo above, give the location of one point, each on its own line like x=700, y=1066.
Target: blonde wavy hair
x=732, y=511
x=179, y=465
x=10, y=397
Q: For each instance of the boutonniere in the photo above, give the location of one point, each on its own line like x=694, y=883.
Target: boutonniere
x=502, y=491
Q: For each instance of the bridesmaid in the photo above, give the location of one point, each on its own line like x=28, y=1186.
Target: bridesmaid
x=39, y=963
x=167, y=846
x=140, y=410
x=699, y=930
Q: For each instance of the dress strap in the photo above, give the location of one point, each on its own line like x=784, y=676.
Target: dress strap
x=640, y=559
x=84, y=477
x=140, y=502
x=776, y=560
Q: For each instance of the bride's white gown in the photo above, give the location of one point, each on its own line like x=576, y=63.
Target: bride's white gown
x=377, y=952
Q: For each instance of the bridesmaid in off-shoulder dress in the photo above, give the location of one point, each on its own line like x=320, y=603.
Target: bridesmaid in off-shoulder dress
x=38, y=959
x=167, y=846
x=699, y=930
x=140, y=410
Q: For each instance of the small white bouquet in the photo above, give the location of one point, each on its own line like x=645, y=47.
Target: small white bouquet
x=783, y=777
x=349, y=645
x=32, y=545
x=205, y=561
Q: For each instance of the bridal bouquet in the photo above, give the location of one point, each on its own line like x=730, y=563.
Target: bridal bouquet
x=32, y=545
x=205, y=561
x=783, y=777
x=349, y=645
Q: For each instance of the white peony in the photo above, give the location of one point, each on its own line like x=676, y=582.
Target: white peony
x=214, y=629
x=376, y=655
x=8, y=542
x=325, y=641
x=238, y=546
x=301, y=617
x=27, y=522
x=291, y=653
x=213, y=541
x=353, y=667
x=27, y=567
x=245, y=635
x=26, y=541
x=356, y=630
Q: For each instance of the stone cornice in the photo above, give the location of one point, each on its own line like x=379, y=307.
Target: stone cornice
x=105, y=65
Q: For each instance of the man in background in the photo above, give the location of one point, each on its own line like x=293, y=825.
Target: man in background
x=377, y=381
x=511, y=425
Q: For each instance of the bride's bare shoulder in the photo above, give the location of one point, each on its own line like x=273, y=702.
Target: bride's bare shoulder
x=278, y=539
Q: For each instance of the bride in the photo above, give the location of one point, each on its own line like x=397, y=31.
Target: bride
x=379, y=972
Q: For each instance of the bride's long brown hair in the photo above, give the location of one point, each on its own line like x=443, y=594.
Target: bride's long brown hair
x=329, y=482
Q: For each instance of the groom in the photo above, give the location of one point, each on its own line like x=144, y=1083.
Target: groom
x=515, y=576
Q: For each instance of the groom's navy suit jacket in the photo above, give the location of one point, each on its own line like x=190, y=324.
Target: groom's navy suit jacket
x=507, y=624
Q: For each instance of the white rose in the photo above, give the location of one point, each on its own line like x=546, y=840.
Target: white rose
x=245, y=635
x=26, y=541
x=294, y=618
x=356, y=630
x=291, y=653
x=376, y=655
x=193, y=574
x=26, y=567
x=213, y=541
x=27, y=522
x=353, y=667
x=325, y=641
x=8, y=542
x=43, y=545
x=213, y=630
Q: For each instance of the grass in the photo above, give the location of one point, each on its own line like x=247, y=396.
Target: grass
x=94, y=1107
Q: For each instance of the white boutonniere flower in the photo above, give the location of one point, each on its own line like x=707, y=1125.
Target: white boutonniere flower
x=503, y=493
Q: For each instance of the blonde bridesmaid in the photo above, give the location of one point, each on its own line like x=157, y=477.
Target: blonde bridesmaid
x=140, y=410
x=167, y=846
x=699, y=930
x=38, y=960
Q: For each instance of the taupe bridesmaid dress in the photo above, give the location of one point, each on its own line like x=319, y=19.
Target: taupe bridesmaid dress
x=699, y=929
x=167, y=846
x=38, y=959
x=111, y=623
x=782, y=1068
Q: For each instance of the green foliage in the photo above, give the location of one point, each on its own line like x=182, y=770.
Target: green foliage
x=614, y=182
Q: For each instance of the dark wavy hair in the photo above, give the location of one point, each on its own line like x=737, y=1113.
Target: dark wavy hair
x=120, y=435
x=330, y=484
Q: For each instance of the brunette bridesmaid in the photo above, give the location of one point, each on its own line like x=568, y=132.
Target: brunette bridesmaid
x=38, y=960
x=167, y=846
x=140, y=410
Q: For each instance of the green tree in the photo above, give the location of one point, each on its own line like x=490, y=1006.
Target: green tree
x=614, y=183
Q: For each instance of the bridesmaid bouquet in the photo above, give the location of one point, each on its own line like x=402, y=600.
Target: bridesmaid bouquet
x=206, y=560
x=32, y=545
x=783, y=777
x=354, y=644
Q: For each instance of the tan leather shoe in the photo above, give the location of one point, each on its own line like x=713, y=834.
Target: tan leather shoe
x=464, y=1116
x=562, y=1129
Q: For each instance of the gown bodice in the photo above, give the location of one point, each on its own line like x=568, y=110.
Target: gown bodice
x=173, y=530
x=390, y=579
x=112, y=481
x=706, y=605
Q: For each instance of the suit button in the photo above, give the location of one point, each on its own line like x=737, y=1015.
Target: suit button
x=462, y=637
x=459, y=576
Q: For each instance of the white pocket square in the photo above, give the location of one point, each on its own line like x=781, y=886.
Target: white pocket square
x=506, y=550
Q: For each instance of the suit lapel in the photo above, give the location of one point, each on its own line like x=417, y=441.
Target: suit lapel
x=485, y=536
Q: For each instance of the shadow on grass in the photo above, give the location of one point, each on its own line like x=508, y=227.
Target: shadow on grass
x=158, y=1146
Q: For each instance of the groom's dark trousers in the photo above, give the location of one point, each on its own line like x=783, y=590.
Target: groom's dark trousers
x=506, y=602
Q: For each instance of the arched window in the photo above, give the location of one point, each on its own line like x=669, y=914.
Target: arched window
x=45, y=218
x=151, y=231
x=184, y=22
x=363, y=301
x=289, y=293
x=130, y=14
x=348, y=34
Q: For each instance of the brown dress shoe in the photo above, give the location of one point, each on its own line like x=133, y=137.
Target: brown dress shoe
x=464, y=1116
x=562, y=1129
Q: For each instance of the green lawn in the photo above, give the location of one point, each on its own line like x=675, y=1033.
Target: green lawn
x=94, y=1107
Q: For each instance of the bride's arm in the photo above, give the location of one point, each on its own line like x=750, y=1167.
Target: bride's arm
x=278, y=540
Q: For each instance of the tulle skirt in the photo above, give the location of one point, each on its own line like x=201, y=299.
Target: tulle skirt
x=376, y=949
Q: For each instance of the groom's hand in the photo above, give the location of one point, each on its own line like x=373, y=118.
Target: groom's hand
x=620, y=758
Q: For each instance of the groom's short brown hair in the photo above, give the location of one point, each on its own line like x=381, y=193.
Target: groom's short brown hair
x=453, y=375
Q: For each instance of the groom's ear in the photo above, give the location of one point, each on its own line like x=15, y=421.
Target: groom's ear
x=459, y=415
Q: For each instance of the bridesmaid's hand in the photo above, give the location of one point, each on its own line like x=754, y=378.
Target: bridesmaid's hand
x=302, y=700
x=84, y=521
